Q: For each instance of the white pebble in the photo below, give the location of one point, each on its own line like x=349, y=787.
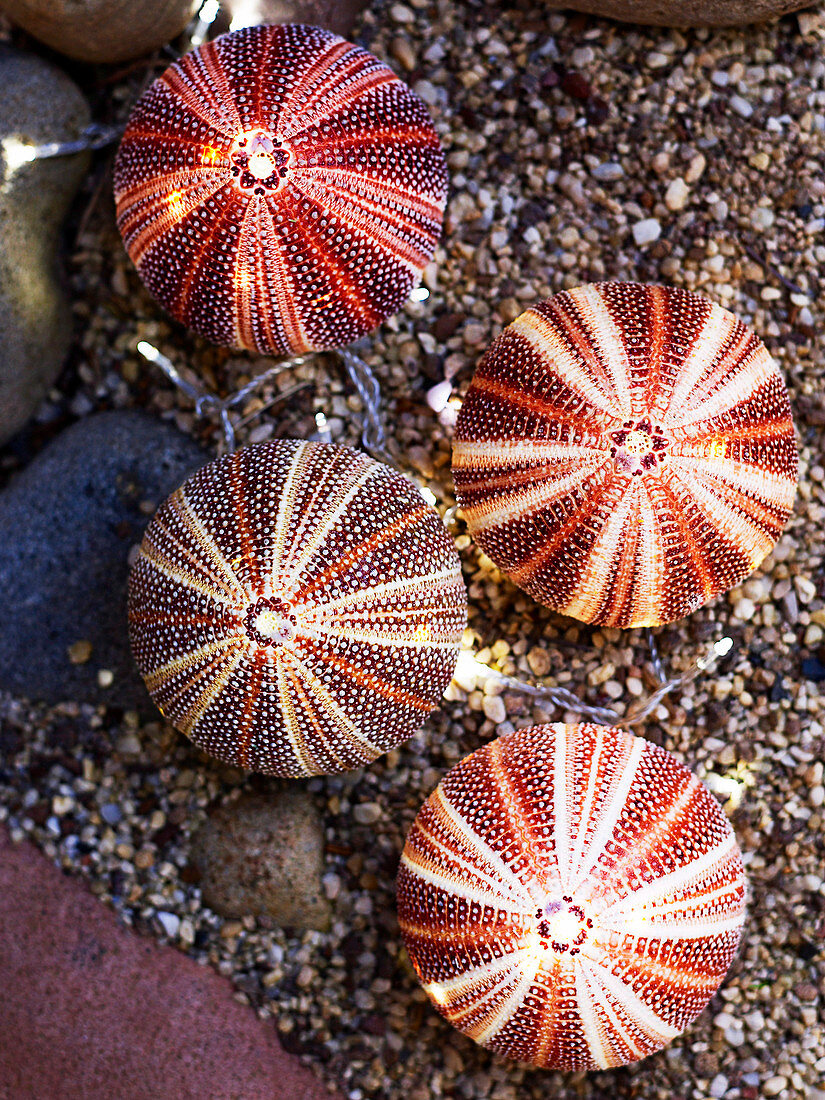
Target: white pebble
x=170, y=923
x=332, y=885
x=718, y=1086
x=744, y=609
x=741, y=106
x=401, y=14
x=494, y=708
x=646, y=231
x=774, y=1085
x=762, y=218
x=677, y=194
x=697, y=166
x=439, y=395
x=735, y=1036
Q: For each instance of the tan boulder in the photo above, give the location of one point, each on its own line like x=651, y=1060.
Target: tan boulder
x=679, y=13
x=101, y=30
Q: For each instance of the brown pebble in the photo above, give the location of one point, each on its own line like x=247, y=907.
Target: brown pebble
x=806, y=991
x=576, y=85
x=402, y=52
x=80, y=652
x=539, y=661
x=447, y=324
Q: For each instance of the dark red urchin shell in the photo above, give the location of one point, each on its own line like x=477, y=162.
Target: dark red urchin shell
x=626, y=453
x=296, y=608
x=280, y=189
x=571, y=896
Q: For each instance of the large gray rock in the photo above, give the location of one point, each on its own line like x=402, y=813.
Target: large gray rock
x=38, y=105
x=264, y=856
x=680, y=13
x=67, y=523
x=101, y=30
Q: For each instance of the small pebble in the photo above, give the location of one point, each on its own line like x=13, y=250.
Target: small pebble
x=741, y=106
x=647, y=231
x=80, y=652
x=170, y=922
x=774, y=1085
x=718, y=1086
x=677, y=194
x=111, y=813
x=367, y=813
x=494, y=708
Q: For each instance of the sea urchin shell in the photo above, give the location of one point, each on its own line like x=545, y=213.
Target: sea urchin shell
x=296, y=608
x=571, y=896
x=626, y=453
x=280, y=189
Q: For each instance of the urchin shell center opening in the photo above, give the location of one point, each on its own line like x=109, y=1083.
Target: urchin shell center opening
x=260, y=162
x=638, y=447
x=563, y=925
x=269, y=622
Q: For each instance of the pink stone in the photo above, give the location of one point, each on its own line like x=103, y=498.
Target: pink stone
x=91, y=1009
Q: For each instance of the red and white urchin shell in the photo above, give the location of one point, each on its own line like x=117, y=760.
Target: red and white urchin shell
x=296, y=608
x=625, y=453
x=280, y=189
x=571, y=896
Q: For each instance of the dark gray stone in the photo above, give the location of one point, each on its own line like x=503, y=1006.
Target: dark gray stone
x=39, y=105
x=67, y=523
x=264, y=855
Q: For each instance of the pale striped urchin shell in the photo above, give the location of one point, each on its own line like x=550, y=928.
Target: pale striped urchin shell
x=626, y=453
x=571, y=896
x=296, y=608
x=280, y=189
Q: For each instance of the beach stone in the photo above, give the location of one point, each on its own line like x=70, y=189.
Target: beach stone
x=678, y=13
x=39, y=105
x=336, y=15
x=88, y=1003
x=263, y=855
x=68, y=522
x=101, y=30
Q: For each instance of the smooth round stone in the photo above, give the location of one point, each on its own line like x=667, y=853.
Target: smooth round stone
x=39, y=105
x=68, y=522
x=677, y=13
x=263, y=855
x=101, y=30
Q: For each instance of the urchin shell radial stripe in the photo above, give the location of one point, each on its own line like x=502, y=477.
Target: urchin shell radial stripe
x=280, y=189
x=626, y=453
x=601, y=882
x=296, y=608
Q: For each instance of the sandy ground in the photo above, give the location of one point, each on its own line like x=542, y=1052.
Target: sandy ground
x=578, y=150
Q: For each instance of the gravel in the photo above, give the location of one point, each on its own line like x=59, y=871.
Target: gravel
x=720, y=137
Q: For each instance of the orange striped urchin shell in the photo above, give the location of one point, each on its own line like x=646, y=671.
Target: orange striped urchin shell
x=296, y=608
x=280, y=189
x=571, y=896
x=626, y=453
